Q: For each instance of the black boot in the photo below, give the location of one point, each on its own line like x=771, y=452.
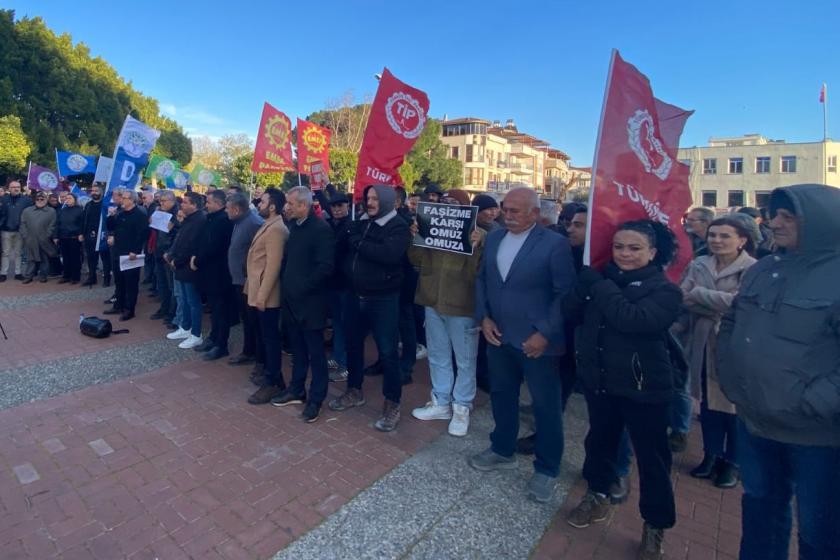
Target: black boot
x=106, y=282
x=707, y=469
x=727, y=475
x=91, y=281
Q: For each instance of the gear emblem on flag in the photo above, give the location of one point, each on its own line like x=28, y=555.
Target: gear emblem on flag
x=405, y=115
x=277, y=131
x=76, y=162
x=314, y=139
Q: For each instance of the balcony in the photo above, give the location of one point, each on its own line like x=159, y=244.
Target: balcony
x=521, y=169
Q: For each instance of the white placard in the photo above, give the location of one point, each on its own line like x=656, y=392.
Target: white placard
x=127, y=264
x=160, y=221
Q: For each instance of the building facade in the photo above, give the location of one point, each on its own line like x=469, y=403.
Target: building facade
x=498, y=158
x=743, y=170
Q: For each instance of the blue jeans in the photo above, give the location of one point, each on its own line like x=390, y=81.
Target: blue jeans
x=179, y=307
x=338, y=303
x=192, y=310
x=445, y=334
x=508, y=367
x=772, y=472
x=379, y=315
x=681, y=409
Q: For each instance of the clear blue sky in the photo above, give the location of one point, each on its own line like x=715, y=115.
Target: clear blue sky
x=743, y=66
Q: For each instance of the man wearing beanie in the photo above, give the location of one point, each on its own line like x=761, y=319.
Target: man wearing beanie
x=488, y=211
x=377, y=245
x=778, y=357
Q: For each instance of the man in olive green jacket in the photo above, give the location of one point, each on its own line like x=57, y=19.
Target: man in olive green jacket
x=447, y=291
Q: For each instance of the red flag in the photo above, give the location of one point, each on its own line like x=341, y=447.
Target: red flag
x=273, y=152
x=636, y=171
x=397, y=118
x=822, y=94
x=313, y=144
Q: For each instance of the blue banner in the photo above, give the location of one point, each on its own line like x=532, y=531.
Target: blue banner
x=71, y=163
x=135, y=143
x=179, y=180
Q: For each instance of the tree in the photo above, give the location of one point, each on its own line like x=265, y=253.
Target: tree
x=429, y=161
x=68, y=100
x=14, y=149
x=346, y=119
x=343, y=166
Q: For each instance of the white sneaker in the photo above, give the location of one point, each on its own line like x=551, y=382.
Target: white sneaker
x=422, y=353
x=460, y=420
x=179, y=334
x=433, y=411
x=191, y=342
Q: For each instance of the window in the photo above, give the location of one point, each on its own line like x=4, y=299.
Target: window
x=762, y=199
x=788, y=164
x=709, y=166
x=469, y=152
x=455, y=152
x=762, y=164
x=735, y=198
x=709, y=199
x=474, y=176
x=831, y=165
x=736, y=165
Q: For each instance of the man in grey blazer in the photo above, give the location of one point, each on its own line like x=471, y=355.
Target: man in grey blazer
x=525, y=271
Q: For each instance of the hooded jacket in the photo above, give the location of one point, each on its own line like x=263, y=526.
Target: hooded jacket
x=377, y=247
x=779, y=345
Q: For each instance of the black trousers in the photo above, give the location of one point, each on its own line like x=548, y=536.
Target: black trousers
x=127, y=283
x=71, y=254
x=92, y=256
x=308, y=351
x=647, y=424
x=220, y=316
x=252, y=344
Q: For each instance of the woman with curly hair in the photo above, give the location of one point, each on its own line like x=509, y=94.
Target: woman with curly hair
x=624, y=355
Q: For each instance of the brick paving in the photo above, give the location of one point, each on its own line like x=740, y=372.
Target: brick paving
x=174, y=464
x=708, y=521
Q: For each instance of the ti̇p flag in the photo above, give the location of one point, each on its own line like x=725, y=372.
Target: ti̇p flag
x=397, y=118
x=636, y=171
x=41, y=178
x=273, y=153
x=823, y=91
x=313, y=144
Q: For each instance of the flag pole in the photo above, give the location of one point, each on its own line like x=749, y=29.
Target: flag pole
x=825, y=132
x=29, y=172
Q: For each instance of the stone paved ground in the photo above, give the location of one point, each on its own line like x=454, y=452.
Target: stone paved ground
x=129, y=448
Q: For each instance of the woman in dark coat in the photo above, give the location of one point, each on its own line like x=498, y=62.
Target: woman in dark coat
x=69, y=232
x=624, y=360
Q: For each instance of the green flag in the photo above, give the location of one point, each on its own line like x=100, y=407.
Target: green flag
x=203, y=176
x=161, y=167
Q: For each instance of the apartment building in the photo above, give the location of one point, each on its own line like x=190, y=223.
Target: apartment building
x=743, y=170
x=498, y=158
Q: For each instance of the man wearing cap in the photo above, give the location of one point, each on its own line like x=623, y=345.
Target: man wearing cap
x=338, y=284
x=488, y=211
x=377, y=245
x=433, y=192
x=779, y=363
x=37, y=230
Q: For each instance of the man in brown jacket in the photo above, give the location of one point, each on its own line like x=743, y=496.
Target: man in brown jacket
x=262, y=286
x=447, y=291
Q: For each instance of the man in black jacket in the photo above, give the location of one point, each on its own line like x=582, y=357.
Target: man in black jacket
x=180, y=258
x=210, y=261
x=164, y=280
x=377, y=245
x=127, y=238
x=13, y=205
x=307, y=267
x=90, y=229
x=339, y=221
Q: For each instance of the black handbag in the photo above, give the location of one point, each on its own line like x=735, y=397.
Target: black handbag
x=98, y=328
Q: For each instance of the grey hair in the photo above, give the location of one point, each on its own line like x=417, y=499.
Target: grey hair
x=239, y=200
x=168, y=195
x=131, y=194
x=302, y=193
x=118, y=190
x=531, y=194
x=707, y=213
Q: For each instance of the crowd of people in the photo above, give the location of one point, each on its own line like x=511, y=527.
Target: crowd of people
x=750, y=333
